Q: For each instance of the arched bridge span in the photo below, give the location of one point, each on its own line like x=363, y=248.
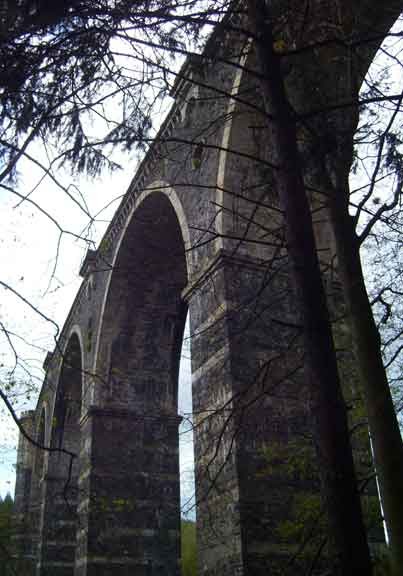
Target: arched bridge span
x=198, y=231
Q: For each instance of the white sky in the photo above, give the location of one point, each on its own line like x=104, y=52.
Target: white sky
x=28, y=255
x=44, y=267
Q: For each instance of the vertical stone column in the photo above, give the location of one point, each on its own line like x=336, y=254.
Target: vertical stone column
x=35, y=510
x=275, y=459
x=129, y=494
x=38, y=468
x=219, y=539
x=250, y=409
x=57, y=540
x=58, y=529
x=25, y=457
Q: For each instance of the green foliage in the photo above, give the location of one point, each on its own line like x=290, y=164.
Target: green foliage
x=10, y=562
x=306, y=512
x=65, y=70
x=189, y=558
x=382, y=565
x=305, y=529
x=6, y=530
x=296, y=459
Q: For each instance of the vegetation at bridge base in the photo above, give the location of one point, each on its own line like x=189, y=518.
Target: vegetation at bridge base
x=305, y=532
x=315, y=154
x=6, y=533
x=188, y=544
x=11, y=564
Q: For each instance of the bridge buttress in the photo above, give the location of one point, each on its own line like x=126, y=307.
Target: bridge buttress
x=25, y=462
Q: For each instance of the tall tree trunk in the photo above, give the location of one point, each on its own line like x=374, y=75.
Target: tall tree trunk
x=384, y=428
x=339, y=487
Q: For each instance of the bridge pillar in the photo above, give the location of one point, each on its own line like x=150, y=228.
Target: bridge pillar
x=25, y=457
x=57, y=543
x=249, y=407
x=57, y=546
x=129, y=494
x=248, y=400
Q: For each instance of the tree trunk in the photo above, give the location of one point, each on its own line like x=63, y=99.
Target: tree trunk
x=384, y=428
x=339, y=487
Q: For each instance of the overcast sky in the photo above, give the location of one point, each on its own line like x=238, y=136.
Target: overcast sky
x=43, y=266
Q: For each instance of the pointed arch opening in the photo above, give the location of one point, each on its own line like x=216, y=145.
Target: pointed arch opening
x=138, y=364
x=67, y=410
x=187, y=459
x=144, y=315
x=60, y=491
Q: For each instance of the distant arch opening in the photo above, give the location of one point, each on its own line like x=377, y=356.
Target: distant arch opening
x=186, y=443
x=186, y=459
x=67, y=411
x=59, y=515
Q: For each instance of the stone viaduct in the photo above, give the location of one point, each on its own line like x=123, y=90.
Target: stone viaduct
x=198, y=231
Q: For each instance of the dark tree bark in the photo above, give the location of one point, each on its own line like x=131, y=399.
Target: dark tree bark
x=326, y=49
x=384, y=428
x=339, y=487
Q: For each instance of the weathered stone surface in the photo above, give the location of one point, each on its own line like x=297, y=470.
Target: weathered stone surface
x=203, y=237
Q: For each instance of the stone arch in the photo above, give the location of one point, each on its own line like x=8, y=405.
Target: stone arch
x=66, y=414
x=221, y=199
x=170, y=192
x=156, y=187
x=60, y=490
x=247, y=206
x=133, y=426
x=149, y=272
x=75, y=332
